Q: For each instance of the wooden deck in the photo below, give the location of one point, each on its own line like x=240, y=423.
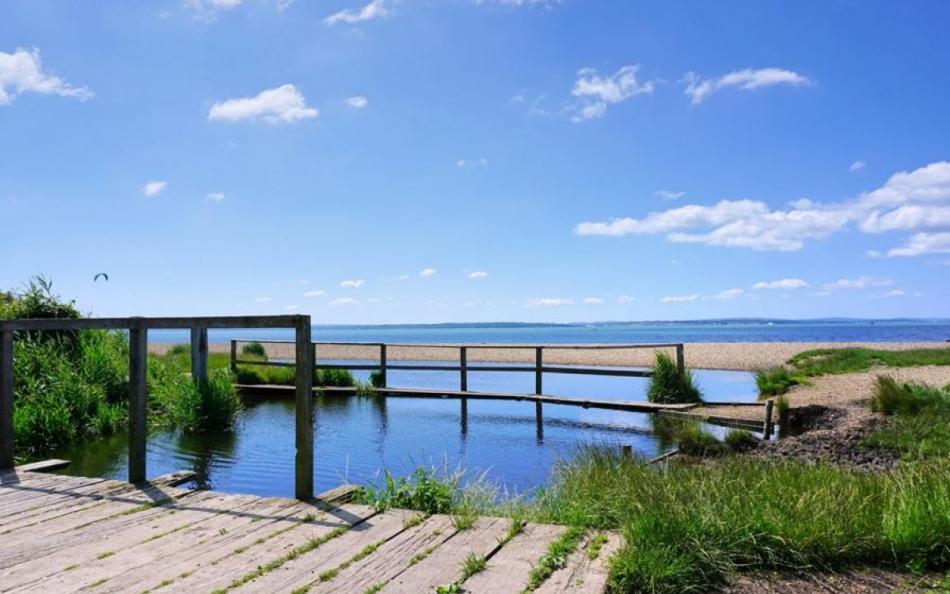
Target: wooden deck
x=70, y=534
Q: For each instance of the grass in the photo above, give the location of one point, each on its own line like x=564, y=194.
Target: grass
x=555, y=557
x=670, y=386
x=850, y=360
x=254, y=349
x=775, y=381
x=424, y=491
x=920, y=427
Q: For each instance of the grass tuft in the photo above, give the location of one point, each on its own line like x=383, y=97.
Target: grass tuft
x=670, y=386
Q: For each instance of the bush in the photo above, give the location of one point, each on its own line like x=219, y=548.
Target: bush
x=177, y=401
x=693, y=441
x=424, y=491
x=339, y=378
x=670, y=386
x=376, y=379
x=254, y=349
x=772, y=382
x=180, y=349
x=740, y=440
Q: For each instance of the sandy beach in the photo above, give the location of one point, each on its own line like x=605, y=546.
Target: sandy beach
x=748, y=356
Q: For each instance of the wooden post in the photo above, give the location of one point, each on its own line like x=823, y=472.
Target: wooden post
x=303, y=474
x=382, y=366
x=6, y=399
x=463, y=415
x=538, y=364
x=767, y=426
x=463, y=363
x=233, y=356
x=627, y=452
x=680, y=359
x=138, y=386
x=199, y=355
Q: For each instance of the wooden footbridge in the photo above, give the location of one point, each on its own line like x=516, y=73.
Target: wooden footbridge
x=70, y=534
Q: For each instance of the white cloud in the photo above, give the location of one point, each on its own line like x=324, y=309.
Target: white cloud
x=544, y=3
x=861, y=282
x=261, y=299
x=668, y=195
x=909, y=201
x=428, y=272
x=729, y=294
x=284, y=104
x=154, y=188
x=352, y=284
x=343, y=301
x=291, y=307
x=785, y=283
x=549, y=301
x=923, y=243
x=472, y=162
x=216, y=196
x=207, y=10
x=478, y=274
x=891, y=293
x=315, y=293
x=625, y=299
x=22, y=72
x=357, y=102
x=403, y=277
x=680, y=298
x=593, y=300
x=858, y=166
x=374, y=10
x=595, y=92
x=746, y=80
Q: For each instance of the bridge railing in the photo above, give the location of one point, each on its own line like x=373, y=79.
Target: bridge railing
x=138, y=328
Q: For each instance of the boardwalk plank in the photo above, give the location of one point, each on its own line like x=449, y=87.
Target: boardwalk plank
x=581, y=574
x=78, y=500
x=22, y=495
x=508, y=569
x=306, y=568
x=444, y=564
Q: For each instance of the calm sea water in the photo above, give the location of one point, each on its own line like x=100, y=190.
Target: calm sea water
x=355, y=439
x=707, y=331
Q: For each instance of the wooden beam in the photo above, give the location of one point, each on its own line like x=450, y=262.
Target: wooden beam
x=233, y=356
x=199, y=356
x=383, y=366
x=463, y=368
x=538, y=369
x=767, y=425
x=43, y=465
x=680, y=359
x=287, y=321
x=138, y=386
x=303, y=464
x=6, y=399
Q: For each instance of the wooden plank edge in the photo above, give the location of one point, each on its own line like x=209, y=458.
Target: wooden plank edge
x=42, y=465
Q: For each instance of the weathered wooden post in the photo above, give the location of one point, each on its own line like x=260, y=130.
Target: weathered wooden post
x=627, y=451
x=538, y=386
x=680, y=359
x=463, y=369
x=199, y=355
x=138, y=386
x=233, y=356
x=384, y=380
x=767, y=425
x=303, y=467
x=6, y=399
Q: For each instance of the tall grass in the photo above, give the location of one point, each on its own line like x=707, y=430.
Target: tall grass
x=920, y=427
x=850, y=360
x=670, y=386
x=775, y=381
x=177, y=401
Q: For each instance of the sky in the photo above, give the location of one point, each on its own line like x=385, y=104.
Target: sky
x=412, y=161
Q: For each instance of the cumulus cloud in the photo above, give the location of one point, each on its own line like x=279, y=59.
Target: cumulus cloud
x=154, y=188
x=472, y=162
x=207, y=10
x=22, y=72
x=291, y=307
x=215, y=196
x=284, y=104
x=625, y=299
x=857, y=166
x=729, y=294
x=861, y=282
x=315, y=293
x=668, y=195
x=549, y=301
x=374, y=10
x=923, y=243
x=343, y=301
x=427, y=272
x=918, y=200
x=352, y=284
x=595, y=93
x=698, y=88
x=357, y=102
x=593, y=300
x=680, y=298
x=785, y=283
x=478, y=274
x=261, y=299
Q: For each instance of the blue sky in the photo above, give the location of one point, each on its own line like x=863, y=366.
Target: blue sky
x=466, y=160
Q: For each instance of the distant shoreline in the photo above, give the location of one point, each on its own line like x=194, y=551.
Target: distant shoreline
x=742, y=356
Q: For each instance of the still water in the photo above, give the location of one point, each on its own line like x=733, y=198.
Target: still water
x=356, y=438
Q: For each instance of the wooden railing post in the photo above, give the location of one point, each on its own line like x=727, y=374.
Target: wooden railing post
x=199, y=355
x=680, y=359
x=303, y=467
x=138, y=386
x=538, y=364
x=6, y=399
x=463, y=372
x=767, y=425
x=233, y=356
x=384, y=380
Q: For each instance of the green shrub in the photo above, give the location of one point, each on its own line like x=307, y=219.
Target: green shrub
x=424, y=491
x=376, y=379
x=849, y=360
x=338, y=378
x=891, y=397
x=179, y=349
x=921, y=427
x=740, y=440
x=772, y=382
x=177, y=401
x=254, y=349
x=670, y=386
x=694, y=441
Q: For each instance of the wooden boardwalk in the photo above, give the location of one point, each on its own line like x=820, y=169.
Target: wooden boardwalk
x=71, y=534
